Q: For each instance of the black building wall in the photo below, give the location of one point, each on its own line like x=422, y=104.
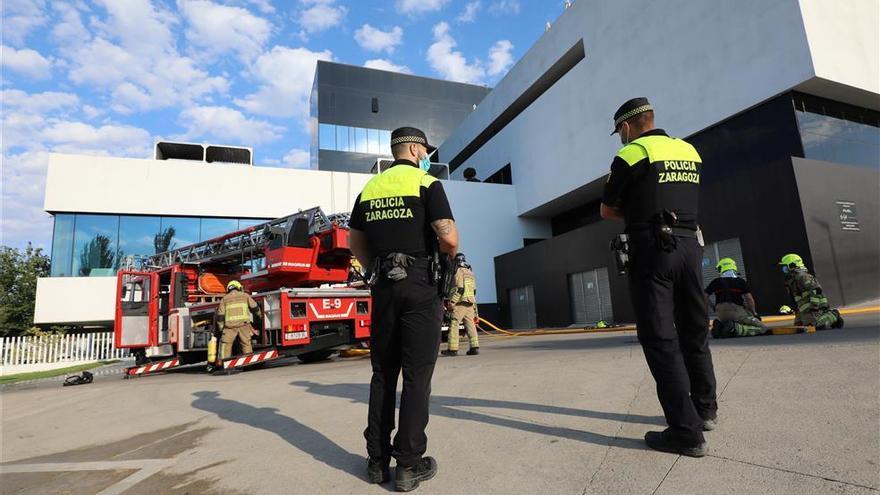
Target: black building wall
x=749, y=191
x=345, y=94
x=845, y=260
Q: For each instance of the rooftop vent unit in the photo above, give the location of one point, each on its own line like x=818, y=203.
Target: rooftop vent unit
x=207, y=153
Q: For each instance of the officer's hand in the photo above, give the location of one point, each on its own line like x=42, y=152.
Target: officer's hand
x=476, y=320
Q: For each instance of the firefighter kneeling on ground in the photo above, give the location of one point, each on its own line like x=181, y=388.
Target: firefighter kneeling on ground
x=462, y=305
x=234, y=319
x=734, y=304
x=810, y=305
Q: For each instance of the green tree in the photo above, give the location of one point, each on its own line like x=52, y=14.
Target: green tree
x=162, y=240
x=19, y=271
x=98, y=253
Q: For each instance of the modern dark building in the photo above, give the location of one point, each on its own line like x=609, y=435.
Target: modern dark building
x=354, y=109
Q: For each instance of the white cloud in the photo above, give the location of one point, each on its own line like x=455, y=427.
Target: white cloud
x=38, y=103
x=500, y=7
x=20, y=17
x=454, y=66
x=133, y=58
x=69, y=29
x=78, y=137
x=469, y=14
x=376, y=40
x=320, y=15
x=286, y=76
x=23, y=218
x=227, y=125
x=296, y=158
x=385, y=64
x=25, y=61
x=218, y=29
x=141, y=28
x=449, y=63
x=413, y=7
x=500, y=57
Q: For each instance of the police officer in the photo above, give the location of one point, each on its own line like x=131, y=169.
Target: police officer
x=811, y=305
x=462, y=304
x=734, y=304
x=234, y=319
x=653, y=187
x=399, y=220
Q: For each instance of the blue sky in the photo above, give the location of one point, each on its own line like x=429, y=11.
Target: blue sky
x=110, y=77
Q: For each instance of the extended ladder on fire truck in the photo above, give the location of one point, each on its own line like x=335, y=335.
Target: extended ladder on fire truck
x=166, y=302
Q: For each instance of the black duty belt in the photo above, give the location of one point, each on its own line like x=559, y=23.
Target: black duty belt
x=648, y=230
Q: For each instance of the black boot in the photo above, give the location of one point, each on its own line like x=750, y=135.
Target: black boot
x=664, y=441
x=407, y=479
x=473, y=351
x=839, y=322
x=449, y=353
x=378, y=471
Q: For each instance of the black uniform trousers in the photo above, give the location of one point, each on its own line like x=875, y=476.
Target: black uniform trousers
x=671, y=320
x=405, y=334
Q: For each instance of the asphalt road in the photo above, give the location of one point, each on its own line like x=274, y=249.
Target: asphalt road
x=550, y=414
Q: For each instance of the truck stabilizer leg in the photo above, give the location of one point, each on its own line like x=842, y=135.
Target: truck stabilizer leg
x=249, y=359
x=135, y=371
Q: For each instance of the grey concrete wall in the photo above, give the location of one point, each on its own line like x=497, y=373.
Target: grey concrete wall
x=846, y=262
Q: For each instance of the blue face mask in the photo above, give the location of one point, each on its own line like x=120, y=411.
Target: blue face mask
x=425, y=163
x=785, y=269
x=728, y=274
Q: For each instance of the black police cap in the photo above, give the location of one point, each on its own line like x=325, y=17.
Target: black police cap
x=410, y=135
x=629, y=110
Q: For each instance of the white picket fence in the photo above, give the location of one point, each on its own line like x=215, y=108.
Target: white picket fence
x=46, y=349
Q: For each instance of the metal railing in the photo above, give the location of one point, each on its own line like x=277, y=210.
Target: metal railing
x=41, y=349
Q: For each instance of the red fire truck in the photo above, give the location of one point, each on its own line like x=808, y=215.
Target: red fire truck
x=298, y=268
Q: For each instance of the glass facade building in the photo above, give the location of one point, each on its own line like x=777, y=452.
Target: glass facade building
x=85, y=245
x=354, y=139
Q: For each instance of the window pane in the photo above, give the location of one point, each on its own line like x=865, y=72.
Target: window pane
x=327, y=136
x=95, y=245
x=215, y=227
x=341, y=138
x=373, y=141
x=361, y=140
x=384, y=142
x=244, y=223
x=137, y=236
x=62, y=245
x=177, y=232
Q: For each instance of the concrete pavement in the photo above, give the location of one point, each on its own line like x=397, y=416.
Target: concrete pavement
x=551, y=414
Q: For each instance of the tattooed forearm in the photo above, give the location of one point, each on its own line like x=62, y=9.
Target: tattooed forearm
x=442, y=227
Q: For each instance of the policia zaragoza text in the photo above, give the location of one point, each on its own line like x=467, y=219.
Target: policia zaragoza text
x=393, y=208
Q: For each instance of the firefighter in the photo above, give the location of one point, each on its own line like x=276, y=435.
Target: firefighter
x=653, y=187
x=810, y=305
x=234, y=319
x=399, y=221
x=462, y=304
x=734, y=304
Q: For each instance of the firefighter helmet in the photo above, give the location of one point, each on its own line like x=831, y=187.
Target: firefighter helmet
x=792, y=260
x=785, y=310
x=233, y=285
x=726, y=264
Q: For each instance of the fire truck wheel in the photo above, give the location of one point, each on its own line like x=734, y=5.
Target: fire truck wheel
x=315, y=356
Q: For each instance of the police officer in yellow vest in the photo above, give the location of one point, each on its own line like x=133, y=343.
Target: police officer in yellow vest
x=462, y=304
x=234, y=319
x=653, y=187
x=400, y=219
